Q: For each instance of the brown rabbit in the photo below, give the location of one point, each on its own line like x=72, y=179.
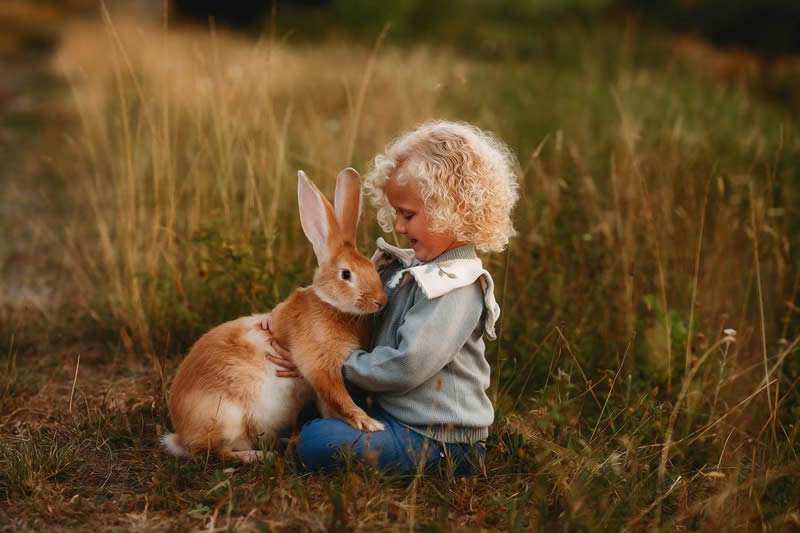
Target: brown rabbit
x=226, y=394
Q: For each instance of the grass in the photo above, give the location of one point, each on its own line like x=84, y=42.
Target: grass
x=658, y=211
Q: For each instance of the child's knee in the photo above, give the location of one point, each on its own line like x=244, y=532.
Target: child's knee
x=323, y=441
x=313, y=445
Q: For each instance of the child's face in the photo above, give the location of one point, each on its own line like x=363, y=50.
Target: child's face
x=412, y=221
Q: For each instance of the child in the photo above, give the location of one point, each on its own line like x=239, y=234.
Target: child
x=449, y=189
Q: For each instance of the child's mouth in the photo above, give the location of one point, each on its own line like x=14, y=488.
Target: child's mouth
x=412, y=242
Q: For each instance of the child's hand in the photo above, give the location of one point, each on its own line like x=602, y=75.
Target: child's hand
x=283, y=358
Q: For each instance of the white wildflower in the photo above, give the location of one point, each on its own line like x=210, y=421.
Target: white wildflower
x=614, y=461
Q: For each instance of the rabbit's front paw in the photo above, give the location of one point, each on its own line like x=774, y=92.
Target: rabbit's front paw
x=361, y=421
x=370, y=424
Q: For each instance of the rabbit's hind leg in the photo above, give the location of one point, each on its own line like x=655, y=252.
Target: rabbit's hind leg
x=242, y=448
x=245, y=456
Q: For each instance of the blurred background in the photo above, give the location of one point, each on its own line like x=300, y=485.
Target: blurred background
x=148, y=152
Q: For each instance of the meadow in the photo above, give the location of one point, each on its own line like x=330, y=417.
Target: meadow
x=646, y=371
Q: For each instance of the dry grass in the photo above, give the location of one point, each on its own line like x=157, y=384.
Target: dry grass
x=658, y=210
x=209, y=130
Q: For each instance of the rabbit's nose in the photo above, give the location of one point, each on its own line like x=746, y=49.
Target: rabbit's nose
x=381, y=302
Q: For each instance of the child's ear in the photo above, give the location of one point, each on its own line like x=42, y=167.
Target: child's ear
x=347, y=202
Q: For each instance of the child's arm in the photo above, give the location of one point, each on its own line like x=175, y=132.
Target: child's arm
x=431, y=333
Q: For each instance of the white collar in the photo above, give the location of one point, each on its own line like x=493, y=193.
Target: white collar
x=440, y=277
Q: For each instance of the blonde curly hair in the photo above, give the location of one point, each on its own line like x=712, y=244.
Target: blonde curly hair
x=466, y=177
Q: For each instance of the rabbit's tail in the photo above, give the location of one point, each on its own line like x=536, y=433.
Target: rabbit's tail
x=171, y=442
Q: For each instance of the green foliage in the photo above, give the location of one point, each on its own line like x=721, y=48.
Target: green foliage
x=522, y=28
x=225, y=276
x=485, y=29
x=221, y=275
x=729, y=22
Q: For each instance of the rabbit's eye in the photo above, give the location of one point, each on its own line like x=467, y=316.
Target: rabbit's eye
x=345, y=274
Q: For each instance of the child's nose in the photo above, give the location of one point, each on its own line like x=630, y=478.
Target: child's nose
x=400, y=224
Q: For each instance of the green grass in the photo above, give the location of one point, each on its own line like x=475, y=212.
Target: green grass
x=658, y=209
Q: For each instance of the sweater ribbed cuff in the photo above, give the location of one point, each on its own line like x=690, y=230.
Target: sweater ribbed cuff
x=451, y=434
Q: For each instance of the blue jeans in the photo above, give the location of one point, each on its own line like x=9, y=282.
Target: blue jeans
x=326, y=442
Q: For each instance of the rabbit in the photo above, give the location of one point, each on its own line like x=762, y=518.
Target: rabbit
x=226, y=393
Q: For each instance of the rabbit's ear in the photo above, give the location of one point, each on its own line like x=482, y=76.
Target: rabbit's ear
x=316, y=217
x=347, y=202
